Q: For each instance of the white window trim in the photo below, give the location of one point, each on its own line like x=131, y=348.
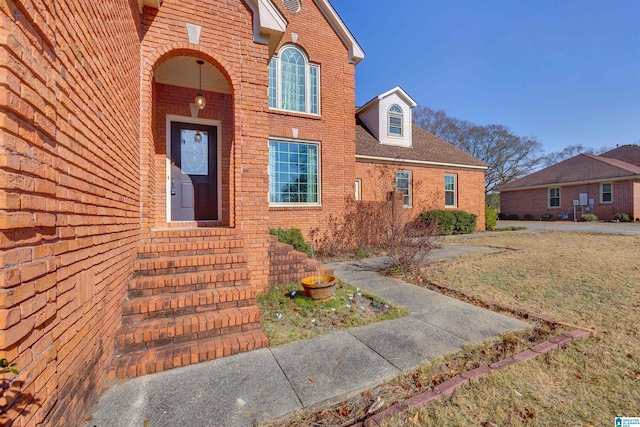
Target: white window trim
x=358, y=189
x=294, y=205
x=394, y=114
x=602, y=193
x=307, y=87
x=549, y=198
x=455, y=190
x=409, y=187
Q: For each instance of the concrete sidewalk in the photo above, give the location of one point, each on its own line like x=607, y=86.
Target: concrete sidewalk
x=265, y=384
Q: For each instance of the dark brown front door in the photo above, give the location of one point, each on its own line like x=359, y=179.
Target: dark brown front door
x=194, y=187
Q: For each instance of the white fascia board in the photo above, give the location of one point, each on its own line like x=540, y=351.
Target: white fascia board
x=571, y=183
x=404, y=95
x=151, y=3
x=397, y=160
x=356, y=54
x=269, y=25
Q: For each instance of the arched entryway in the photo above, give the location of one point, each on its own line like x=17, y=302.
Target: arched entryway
x=190, y=148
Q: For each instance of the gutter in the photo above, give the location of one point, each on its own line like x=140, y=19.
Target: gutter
x=570, y=183
x=418, y=162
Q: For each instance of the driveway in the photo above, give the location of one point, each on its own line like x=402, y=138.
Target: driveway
x=584, y=227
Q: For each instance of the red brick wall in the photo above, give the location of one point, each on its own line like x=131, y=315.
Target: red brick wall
x=636, y=201
x=335, y=129
x=534, y=202
x=428, y=187
x=69, y=198
x=226, y=41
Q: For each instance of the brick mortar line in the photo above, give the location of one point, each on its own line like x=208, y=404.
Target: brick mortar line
x=453, y=383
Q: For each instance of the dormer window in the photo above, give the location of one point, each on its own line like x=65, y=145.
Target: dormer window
x=395, y=120
x=294, y=82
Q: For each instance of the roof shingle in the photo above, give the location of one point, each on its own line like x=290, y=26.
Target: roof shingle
x=426, y=148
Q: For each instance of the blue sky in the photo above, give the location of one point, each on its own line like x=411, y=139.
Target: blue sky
x=564, y=71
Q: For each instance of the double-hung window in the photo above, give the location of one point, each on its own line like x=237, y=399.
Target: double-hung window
x=294, y=82
x=294, y=172
x=606, y=192
x=403, y=185
x=554, y=197
x=450, y=190
x=395, y=120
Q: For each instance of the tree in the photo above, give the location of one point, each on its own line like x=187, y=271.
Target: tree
x=571, y=151
x=509, y=156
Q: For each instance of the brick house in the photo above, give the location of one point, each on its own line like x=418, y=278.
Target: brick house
x=603, y=185
x=394, y=154
x=147, y=147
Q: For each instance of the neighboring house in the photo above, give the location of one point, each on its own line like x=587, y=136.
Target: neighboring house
x=603, y=185
x=393, y=153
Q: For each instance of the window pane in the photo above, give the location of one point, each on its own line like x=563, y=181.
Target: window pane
x=449, y=198
x=300, y=184
x=272, y=82
x=314, y=89
x=293, y=80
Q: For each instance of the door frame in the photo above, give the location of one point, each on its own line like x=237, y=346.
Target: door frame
x=196, y=121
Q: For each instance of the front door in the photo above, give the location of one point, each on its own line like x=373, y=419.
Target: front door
x=194, y=186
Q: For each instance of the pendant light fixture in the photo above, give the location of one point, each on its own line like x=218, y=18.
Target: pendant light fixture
x=200, y=101
x=197, y=137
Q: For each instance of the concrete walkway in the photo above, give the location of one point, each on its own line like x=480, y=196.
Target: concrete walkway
x=266, y=384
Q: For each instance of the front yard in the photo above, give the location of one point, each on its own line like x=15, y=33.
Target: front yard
x=592, y=280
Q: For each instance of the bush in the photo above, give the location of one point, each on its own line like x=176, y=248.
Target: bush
x=490, y=217
x=446, y=220
x=502, y=216
x=465, y=222
x=293, y=237
x=513, y=217
x=589, y=217
x=451, y=222
x=528, y=217
x=622, y=217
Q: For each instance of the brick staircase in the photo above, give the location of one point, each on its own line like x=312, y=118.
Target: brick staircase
x=288, y=265
x=189, y=301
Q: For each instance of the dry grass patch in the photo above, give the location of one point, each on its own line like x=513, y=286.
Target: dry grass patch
x=588, y=279
x=288, y=315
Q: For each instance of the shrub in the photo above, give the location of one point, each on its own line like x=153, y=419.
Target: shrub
x=622, y=217
x=528, y=217
x=513, y=217
x=589, y=217
x=293, y=237
x=451, y=222
x=465, y=222
x=446, y=220
x=490, y=217
x=502, y=216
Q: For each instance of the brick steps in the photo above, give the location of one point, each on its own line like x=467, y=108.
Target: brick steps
x=184, y=282
x=161, y=359
x=164, y=331
x=186, y=302
x=189, y=301
x=188, y=263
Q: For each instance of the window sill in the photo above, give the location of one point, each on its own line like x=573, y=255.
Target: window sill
x=293, y=207
x=295, y=114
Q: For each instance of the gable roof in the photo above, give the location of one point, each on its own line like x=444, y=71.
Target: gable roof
x=427, y=150
x=626, y=153
x=398, y=90
x=582, y=168
x=356, y=54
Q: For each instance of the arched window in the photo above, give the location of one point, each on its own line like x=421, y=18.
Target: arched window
x=294, y=83
x=395, y=120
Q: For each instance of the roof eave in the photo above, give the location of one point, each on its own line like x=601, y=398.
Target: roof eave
x=356, y=53
x=569, y=183
x=397, y=160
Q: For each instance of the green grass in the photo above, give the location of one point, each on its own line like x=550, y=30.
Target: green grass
x=288, y=315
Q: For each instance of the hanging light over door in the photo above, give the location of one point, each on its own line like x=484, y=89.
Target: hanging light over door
x=200, y=101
